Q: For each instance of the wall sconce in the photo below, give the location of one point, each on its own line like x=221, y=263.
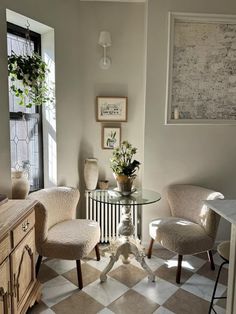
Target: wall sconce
x=105, y=41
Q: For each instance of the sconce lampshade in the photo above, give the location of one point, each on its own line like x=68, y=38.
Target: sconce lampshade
x=104, y=39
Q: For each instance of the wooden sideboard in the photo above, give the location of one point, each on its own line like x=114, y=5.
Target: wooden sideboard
x=19, y=289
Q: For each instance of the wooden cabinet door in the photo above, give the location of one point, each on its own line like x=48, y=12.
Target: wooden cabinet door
x=23, y=272
x=5, y=302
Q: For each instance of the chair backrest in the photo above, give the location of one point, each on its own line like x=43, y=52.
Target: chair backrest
x=56, y=204
x=187, y=201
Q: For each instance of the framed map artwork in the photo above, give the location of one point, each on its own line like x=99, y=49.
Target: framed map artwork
x=201, y=84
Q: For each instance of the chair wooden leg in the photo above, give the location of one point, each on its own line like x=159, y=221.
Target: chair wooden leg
x=178, y=273
x=149, y=254
x=79, y=274
x=210, y=257
x=38, y=265
x=97, y=252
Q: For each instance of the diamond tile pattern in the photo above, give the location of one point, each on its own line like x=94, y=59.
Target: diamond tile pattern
x=127, y=289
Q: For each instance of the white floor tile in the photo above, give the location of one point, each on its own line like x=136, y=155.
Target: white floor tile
x=106, y=292
x=61, y=266
x=56, y=290
x=158, y=291
x=190, y=262
x=219, y=310
x=154, y=262
x=105, y=311
x=218, y=260
x=162, y=310
x=202, y=287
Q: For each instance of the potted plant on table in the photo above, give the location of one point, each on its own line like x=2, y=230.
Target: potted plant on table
x=124, y=166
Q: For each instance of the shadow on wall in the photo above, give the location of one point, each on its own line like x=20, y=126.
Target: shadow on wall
x=85, y=151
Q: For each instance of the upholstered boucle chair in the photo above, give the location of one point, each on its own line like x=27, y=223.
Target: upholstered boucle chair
x=58, y=233
x=192, y=227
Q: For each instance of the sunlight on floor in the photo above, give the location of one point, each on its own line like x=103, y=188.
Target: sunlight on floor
x=174, y=263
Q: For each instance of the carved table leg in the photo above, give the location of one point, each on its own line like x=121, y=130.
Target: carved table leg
x=126, y=246
x=113, y=259
x=139, y=256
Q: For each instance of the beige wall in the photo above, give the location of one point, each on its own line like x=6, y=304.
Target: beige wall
x=197, y=154
x=125, y=22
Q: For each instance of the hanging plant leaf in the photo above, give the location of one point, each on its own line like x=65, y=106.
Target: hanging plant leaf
x=28, y=75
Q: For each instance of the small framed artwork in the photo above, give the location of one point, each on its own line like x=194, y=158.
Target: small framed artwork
x=112, y=109
x=111, y=137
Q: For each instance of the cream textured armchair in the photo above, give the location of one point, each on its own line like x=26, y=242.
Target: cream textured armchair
x=192, y=227
x=58, y=233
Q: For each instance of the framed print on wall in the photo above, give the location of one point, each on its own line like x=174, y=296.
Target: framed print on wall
x=201, y=85
x=112, y=109
x=111, y=137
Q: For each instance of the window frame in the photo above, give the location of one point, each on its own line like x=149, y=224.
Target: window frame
x=36, y=39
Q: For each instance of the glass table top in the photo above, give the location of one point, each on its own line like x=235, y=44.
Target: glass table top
x=138, y=197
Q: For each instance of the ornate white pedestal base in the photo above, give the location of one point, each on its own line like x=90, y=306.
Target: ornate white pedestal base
x=126, y=245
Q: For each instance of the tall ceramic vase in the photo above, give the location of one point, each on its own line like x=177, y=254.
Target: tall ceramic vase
x=20, y=184
x=91, y=173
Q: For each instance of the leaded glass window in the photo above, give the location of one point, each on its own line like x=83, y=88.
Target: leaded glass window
x=25, y=123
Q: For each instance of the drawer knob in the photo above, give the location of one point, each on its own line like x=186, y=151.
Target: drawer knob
x=25, y=226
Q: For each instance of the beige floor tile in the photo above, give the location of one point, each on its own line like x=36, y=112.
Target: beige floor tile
x=132, y=302
x=128, y=274
x=206, y=271
x=169, y=274
x=89, y=274
x=163, y=253
x=46, y=273
x=39, y=308
x=78, y=303
x=183, y=302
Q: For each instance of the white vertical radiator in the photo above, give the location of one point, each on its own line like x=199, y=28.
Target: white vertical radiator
x=108, y=216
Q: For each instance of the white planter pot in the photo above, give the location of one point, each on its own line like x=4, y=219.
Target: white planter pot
x=20, y=184
x=91, y=173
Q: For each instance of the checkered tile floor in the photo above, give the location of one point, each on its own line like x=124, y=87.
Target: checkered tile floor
x=128, y=290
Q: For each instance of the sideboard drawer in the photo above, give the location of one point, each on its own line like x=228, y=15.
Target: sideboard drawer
x=23, y=228
x=5, y=248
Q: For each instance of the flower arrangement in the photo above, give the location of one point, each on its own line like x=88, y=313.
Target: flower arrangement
x=27, y=74
x=122, y=162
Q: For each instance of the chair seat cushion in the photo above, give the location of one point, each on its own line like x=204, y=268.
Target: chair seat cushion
x=223, y=249
x=180, y=235
x=71, y=239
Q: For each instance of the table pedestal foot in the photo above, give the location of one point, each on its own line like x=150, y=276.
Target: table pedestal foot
x=130, y=246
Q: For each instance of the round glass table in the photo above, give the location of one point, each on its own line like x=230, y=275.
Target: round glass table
x=138, y=197
x=126, y=243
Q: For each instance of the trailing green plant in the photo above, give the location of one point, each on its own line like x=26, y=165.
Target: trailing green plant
x=122, y=162
x=28, y=74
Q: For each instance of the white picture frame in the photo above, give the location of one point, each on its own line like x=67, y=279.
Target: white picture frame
x=190, y=94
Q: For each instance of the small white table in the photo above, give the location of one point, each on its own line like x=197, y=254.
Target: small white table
x=227, y=209
x=126, y=243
